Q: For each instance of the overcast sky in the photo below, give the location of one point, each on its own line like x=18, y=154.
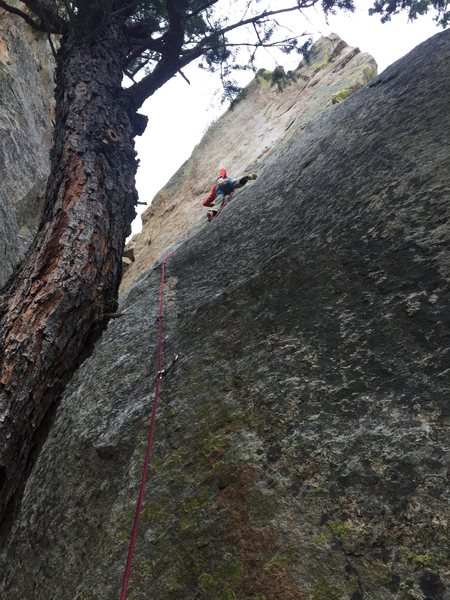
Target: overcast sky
x=180, y=113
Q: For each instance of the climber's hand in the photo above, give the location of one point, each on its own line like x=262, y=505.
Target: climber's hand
x=251, y=176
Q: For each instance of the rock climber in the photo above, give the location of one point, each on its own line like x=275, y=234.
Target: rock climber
x=222, y=189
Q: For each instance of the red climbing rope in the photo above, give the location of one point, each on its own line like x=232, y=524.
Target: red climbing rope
x=140, y=499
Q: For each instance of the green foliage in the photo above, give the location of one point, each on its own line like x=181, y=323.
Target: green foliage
x=341, y=95
x=414, y=9
x=162, y=37
x=241, y=95
x=152, y=13
x=264, y=74
x=330, y=6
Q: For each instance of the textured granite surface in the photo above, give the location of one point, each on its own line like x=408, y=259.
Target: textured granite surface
x=26, y=91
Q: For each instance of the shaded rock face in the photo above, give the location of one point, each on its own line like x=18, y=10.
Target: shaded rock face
x=26, y=90
x=300, y=449
x=245, y=136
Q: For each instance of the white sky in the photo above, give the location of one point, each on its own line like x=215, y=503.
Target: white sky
x=179, y=113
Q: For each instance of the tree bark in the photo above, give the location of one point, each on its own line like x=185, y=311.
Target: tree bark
x=51, y=312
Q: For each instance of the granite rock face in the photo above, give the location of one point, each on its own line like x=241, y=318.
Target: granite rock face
x=26, y=91
x=301, y=445
x=267, y=115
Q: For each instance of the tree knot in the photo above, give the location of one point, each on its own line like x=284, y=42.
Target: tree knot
x=112, y=137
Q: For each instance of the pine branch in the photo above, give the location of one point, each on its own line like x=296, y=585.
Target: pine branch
x=202, y=8
x=261, y=44
x=174, y=37
x=48, y=17
x=138, y=45
x=173, y=59
x=126, y=10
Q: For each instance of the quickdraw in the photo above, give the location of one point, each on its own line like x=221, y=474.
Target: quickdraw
x=164, y=372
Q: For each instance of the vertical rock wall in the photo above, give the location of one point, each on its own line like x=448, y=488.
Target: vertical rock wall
x=26, y=92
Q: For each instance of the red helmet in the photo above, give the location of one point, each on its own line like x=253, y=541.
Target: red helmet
x=223, y=173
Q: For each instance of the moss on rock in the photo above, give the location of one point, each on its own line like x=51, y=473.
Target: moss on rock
x=341, y=95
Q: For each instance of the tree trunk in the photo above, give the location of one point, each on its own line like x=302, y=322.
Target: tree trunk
x=53, y=309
